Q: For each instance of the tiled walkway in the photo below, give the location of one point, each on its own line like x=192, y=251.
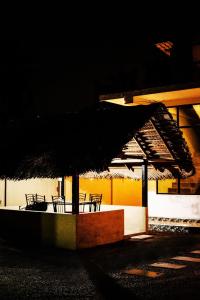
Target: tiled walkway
x=167, y=265
x=195, y=251
x=187, y=258
x=141, y=272
x=123, y=270
x=141, y=237
x=161, y=265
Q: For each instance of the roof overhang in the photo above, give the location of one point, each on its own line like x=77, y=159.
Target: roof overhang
x=170, y=98
x=158, y=143
x=169, y=95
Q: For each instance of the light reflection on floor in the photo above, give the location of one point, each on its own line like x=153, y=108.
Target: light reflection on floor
x=168, y=265
x=141, y=237
x=141, y=272
x=187, y=258
x=195, y=251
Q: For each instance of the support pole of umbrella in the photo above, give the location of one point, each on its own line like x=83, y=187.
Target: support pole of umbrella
x=111, y=190
x=5, y=192
x=75, y=194
x=145, y=189
x=60, y=186
x=63, y=187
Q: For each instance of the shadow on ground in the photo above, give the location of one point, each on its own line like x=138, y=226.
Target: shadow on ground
x=35, y=272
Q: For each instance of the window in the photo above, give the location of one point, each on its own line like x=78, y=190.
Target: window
x=188, y=121
x=167, y=186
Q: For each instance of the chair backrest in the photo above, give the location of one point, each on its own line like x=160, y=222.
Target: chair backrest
x=58, y=198
x=30, y=198
x=96, y=198
x=82, y=197
x=40, y=198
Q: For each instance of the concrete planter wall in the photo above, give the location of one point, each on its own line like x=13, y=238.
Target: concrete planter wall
x=63, y=230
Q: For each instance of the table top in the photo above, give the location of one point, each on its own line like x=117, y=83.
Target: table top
x=70, y=203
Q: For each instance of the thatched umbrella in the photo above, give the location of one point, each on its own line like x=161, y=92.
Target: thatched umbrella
x=125, y=173
x=56, y=146
x=92, y=139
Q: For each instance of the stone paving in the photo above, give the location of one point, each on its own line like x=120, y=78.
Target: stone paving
x=105, y=272
x=167, y=265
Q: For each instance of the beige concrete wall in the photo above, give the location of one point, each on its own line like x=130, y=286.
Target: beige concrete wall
x=173, y=206
x=99, y=228
x=2, y=184
x=68, y=188
x=134, y=217
x=16, y=190
x=59, y=230
x=51, y=229
x=63, y=230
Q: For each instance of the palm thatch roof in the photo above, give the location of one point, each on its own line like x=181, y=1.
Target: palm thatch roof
x=125, y=173
x=92, y=139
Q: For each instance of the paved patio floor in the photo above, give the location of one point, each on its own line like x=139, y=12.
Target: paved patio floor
x=100, y=273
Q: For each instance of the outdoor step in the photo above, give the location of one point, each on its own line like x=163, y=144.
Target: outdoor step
x=184, y=184
x=172, y=191
x=183, y=191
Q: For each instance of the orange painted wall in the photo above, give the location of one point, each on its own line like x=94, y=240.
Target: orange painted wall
x=99, y=186
x=127, y=192
x=124, y=191
x=99, y=228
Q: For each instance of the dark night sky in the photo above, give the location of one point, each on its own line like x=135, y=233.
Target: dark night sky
x=53, y=75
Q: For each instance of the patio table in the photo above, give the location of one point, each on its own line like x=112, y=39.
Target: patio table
x=94, y=203
x=85, y=203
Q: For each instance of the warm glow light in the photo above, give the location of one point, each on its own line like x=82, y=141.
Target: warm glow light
x=119, y=101
x=173, y=112
x=131, y=160
x=171, y=98
x=197, y=109
x=165, y=47
x=141, y=272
